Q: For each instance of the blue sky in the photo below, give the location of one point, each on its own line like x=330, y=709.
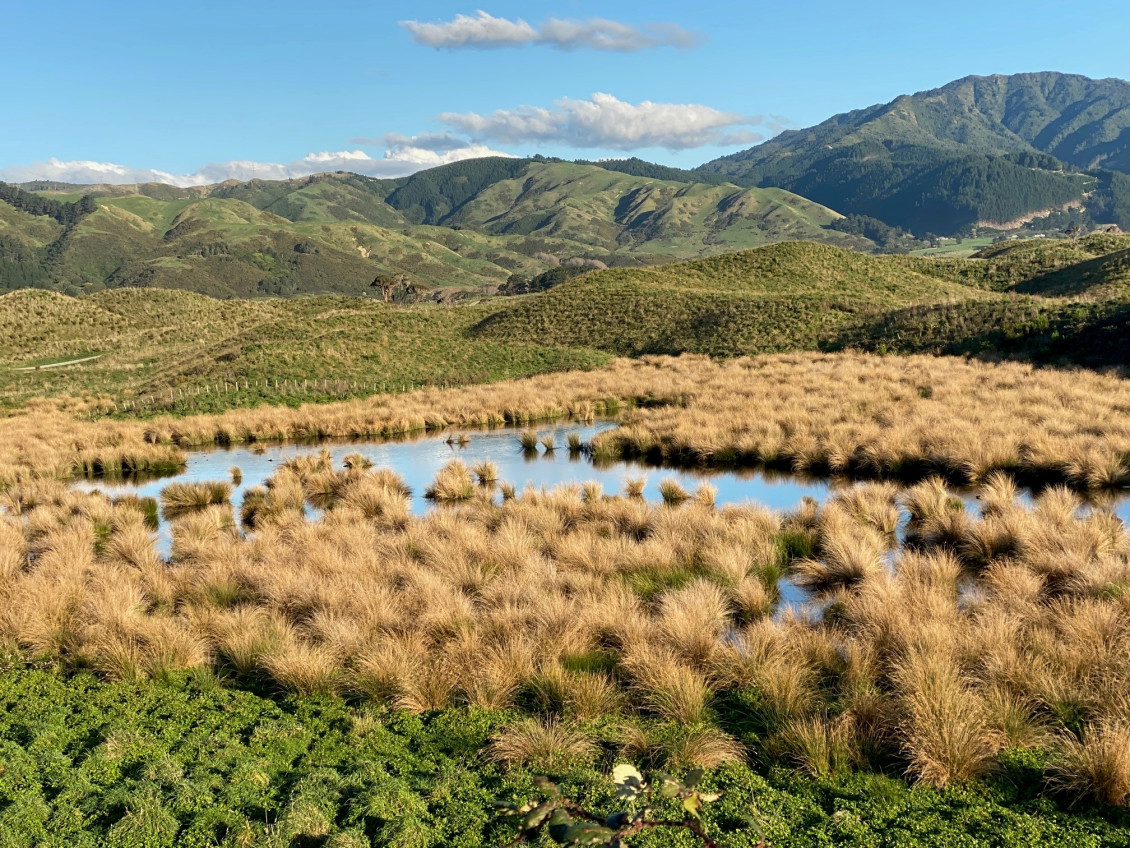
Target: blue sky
x=289, y=86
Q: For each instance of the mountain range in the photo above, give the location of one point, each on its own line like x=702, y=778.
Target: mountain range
x=990, y=153
x=981, y=151
x=466, y=225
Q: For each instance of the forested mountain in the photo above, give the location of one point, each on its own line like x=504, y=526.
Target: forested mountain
x=470, y=224
x=981, y=150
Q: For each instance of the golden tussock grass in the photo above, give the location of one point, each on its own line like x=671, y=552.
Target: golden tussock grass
x=1096, y=763
x=542, y=743
x=772, y=410
x=1007, y=626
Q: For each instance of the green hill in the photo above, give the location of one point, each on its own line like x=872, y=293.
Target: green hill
x=779, y=297
x=978, y=151
x=1043, y=300
x=208, y=354
x=467, y=226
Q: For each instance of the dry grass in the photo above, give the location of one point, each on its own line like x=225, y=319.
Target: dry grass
x=542, y=743
x=1005, y=626
x=453, y=483
x=1096, y=765
x=179, y=498
x=772, y=410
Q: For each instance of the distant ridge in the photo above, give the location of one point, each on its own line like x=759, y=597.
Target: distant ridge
x=463, y=226
x=979, y=149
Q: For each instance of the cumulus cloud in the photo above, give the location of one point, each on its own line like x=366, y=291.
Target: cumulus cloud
x=440, y=141
x=607, y=122
x=399, y=160
x=485, y=32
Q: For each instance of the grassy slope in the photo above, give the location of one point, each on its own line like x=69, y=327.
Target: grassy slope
x=188, y=763
x=777, y=298
x=154, y=340
x=32, y=230
x=1062, y=303
x=781, y=297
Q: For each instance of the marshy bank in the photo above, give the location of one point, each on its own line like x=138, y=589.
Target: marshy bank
x=945, y=642
x=904, y=418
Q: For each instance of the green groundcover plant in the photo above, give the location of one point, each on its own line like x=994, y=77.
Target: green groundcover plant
x=191, y=762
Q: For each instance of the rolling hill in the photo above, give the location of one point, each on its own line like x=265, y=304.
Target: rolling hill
x=469, y=225
x=980, y=151
x=1048, y=301
x=779, y=297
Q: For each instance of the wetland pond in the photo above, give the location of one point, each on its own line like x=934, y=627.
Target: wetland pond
x=417, y=460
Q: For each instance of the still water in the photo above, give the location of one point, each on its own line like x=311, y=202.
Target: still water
x=418, y=460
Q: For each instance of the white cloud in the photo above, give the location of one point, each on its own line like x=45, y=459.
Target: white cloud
x=485, y=31
x=399, y=160
x=440, y=141
x=609, y=123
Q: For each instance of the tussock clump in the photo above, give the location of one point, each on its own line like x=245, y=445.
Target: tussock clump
x=486, y=472
x=180, y=498
x=304, y=668
x=816, y=745
x=1095, y=764
x=847, y=553
x=672, y=493
x=549, y=743
x=452, y=483
x=633, y=487
x=582, y=694
x=357, y=462
x=946, y=731
x=700, y=747
x=667, y=687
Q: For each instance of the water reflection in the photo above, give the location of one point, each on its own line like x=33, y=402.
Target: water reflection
x=418, y=460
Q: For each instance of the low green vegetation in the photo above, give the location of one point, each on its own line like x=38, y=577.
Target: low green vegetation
x=189, y=762
x=782, y=297
x=1044, y=300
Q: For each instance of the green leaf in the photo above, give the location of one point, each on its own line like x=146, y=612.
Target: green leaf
x=668, y=786
x=693, y=777
x=536, y=817
x=629, y=782
x=584, y=833
x=559, y=824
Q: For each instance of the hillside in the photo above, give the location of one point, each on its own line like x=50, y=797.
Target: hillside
x=1042, y=300
x=150, y=342
x=978, y=151
x=464, y=226
x=780, y=297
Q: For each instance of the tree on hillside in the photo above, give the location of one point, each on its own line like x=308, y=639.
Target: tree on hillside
x=388, y=284
x=398, y=288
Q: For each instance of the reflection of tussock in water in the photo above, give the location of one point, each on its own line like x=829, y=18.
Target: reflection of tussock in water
x=513, y=457
x=998, y=623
